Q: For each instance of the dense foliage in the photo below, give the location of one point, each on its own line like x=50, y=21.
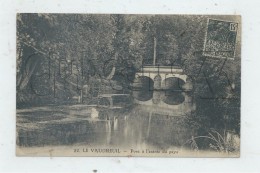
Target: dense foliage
x=60, y=55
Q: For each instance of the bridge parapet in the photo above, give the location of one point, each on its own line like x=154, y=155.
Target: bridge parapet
x=164, y=72
x=162, y=69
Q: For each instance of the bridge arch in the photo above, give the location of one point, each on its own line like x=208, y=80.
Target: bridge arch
x=173, y=92
x=143, y=88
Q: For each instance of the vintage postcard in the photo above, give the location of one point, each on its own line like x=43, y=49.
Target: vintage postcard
x=128, y=85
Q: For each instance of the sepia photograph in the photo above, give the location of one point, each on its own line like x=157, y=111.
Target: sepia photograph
x=128, y=85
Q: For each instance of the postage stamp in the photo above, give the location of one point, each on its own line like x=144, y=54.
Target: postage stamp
x=127, y=85
x=220, y=40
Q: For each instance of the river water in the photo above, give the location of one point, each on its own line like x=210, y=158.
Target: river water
x=128, y=128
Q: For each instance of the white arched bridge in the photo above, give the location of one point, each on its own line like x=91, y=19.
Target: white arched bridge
x=163, y=90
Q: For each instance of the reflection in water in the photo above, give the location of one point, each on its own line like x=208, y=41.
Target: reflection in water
x=125, y=127
x=115, y=123
x=94, y=113
x=149, y=123
x=143, y=88
x=133, y=127
x=109, y=127
x=157, y=87
x=173, y=93
x=108, y=131
x=136, y=127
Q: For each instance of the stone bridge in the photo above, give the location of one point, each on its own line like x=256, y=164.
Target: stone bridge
x=163, y=90
x=164, y=72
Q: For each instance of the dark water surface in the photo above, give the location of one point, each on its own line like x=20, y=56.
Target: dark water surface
x=82, y=125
